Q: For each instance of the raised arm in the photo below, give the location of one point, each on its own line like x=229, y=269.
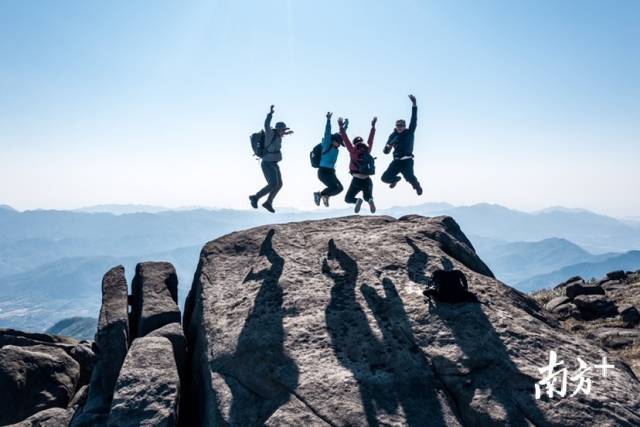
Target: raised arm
x=414, y=114
x=343, y=134
x=267, y=121
x=372, y=133
x=326, y=139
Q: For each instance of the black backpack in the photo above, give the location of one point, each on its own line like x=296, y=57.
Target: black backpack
x=366, y=163
x=449, y=286
x=316, y=155
x=257, y=143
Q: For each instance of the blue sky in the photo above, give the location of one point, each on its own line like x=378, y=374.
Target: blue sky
x=528, y=103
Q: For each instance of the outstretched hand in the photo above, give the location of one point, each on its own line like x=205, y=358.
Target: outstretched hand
x=272, y=109
x=413, y=99
x=340, y=121
x=329, y=114
x=373, y=122
x=288, y=132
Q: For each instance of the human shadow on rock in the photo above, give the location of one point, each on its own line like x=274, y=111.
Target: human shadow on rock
x=260, y=375
x=486, y=369
x=375, y=365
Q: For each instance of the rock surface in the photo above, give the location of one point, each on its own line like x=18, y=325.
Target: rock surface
x=595, y=306
x=154, y=297
x=575, y=289
x=324, y=323
x=112, y=343
x=147, y=390
x=34, y=378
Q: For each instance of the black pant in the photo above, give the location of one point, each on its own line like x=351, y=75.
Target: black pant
x=358, y=185
x=271, y=172
x=404, y=167
x=329, y=178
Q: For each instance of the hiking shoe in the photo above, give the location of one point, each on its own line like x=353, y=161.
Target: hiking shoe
x=372, y=206
x=254, y=202
x=393, y=184
x=358, y=205
x=325, y=201
x=419, y=190
x=268, y=207
x=316, y=198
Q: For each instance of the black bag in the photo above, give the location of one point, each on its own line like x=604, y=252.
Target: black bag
x=316, y=155
x=258, y=144
x=449, y=286
x=366, y=163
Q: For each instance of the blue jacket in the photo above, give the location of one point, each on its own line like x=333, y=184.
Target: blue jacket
x=329, y=152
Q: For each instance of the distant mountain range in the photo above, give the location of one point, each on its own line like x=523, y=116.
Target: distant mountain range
x=51, y=262
x=629, y=261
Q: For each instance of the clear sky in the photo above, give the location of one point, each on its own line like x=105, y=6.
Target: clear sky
x=524, y=103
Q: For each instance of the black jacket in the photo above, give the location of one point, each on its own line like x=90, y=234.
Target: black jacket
x=402, y=143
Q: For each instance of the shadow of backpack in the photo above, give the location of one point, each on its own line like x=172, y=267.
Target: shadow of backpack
x=449, y=286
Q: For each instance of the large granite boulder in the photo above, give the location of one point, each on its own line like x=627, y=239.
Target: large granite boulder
x=630, y=315
x=595, y=306
x=112, y=343
x=575, y=289
x=147, y=391
x=324, y=323
x=154, y=297
x=34, y=378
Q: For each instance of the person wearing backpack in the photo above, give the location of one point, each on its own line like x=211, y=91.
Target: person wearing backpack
x=325, y=155
x=401, y=141
x=361, y=167
x=271, y=155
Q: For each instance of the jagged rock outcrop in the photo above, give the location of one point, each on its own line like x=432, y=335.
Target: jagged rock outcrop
x=324, y=323
x=611, y=320
x=112, y=343
x=154, y=297
x=34, y=378
x=147, y=391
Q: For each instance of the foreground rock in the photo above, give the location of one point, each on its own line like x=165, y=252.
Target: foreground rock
x=147, y=390
x=154, y=297
x=112, y=342
x=35, y=378
x=324, y=323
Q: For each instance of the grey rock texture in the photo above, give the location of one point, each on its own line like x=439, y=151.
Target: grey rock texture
x=174, y=333
x=147, y=391
x=555, y=302
x=324, y=323
x=34, y=378
x=111, y=342
x=154, y=298
x=52, y=417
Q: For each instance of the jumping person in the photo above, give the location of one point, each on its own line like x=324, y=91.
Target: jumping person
x=327, y=170
x=401, y=140
x=361, y=160
x=269, y=164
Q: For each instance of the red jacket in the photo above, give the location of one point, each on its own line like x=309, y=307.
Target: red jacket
x=354, y=152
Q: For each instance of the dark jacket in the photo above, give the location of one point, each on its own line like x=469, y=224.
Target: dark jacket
x=402, y=143
x=272, y=142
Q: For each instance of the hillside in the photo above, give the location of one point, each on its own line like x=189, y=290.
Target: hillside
x=629, y=261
